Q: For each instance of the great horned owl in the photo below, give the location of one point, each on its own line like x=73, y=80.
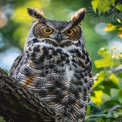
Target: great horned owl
x=56, y=66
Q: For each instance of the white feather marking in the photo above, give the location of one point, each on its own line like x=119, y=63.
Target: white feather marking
x=71, y=47
x=69, y=75
x=30, y=39
x=43, y=44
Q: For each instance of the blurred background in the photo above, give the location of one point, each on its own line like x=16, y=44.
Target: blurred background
x=102, y=28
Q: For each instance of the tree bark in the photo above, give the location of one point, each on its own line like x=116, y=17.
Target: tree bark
x=18, y=104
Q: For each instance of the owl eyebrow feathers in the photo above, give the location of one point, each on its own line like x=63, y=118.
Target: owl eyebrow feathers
x=75, y=19
x=78, y=16
x=36, y=14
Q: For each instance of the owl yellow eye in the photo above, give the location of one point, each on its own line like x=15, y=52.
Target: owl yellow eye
x=47, y=30
x=69, y=32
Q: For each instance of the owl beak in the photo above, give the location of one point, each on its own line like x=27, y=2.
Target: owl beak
x=58, y=37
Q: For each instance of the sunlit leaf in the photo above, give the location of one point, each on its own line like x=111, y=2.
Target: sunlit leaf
x=100, y=78
x=109, y=27
x=101, y=5
x=103, y=52
x=97, y=99
x=113, y=77
x=106, y=62
x=120, y=34
x=105, y=83
x=120, y=29
x=95, y=4
x=119, y=7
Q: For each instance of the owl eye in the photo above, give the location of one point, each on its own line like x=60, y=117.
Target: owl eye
x=69, y=32
x=47, y=30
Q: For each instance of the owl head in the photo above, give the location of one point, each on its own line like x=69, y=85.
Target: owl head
x=56, y=32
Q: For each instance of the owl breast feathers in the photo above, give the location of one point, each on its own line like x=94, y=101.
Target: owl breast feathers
x=56, y=66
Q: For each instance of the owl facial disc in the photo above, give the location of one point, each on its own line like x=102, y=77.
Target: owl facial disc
x=55, y=32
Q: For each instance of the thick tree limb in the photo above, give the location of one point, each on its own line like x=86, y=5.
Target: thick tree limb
x=19, y=104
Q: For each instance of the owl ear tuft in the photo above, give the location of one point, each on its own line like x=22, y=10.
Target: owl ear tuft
x=78, y=16
x=35, y=13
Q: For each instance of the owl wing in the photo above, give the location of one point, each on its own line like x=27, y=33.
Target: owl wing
x=15, y=64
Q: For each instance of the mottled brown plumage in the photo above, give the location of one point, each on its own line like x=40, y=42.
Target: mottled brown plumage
x=56, y=66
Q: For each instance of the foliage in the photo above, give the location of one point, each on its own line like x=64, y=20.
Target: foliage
x=106, y=100
x=107, y=89
x=105, y=5
x=116, y=28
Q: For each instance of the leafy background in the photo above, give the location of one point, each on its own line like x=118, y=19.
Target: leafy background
x=102, y=28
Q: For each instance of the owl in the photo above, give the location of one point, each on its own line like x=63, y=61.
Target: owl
x=56, y=66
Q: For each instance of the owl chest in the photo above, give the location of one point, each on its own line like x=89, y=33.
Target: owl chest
x=54, y=62
x=59, y=64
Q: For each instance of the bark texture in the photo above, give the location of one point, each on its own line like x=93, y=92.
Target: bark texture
x=18, y=104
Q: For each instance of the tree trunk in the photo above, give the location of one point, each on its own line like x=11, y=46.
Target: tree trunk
x=18, y=104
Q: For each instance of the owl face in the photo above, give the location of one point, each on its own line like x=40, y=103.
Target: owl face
x=57, y=33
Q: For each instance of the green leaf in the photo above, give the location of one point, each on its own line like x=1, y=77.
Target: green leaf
x=103, y=52
x=105, y=82
x=99, y=80
x=105, y=98
x=114, y=94
x=120, y=96
x=120, y=74
x=106, y=62
x=113, y=2
x=117, y=115
x=119, y=7
x=109, y=104
x=101, y=5
x=95, y=4
x=97, y=99
x=108, y=85
x=113, y=78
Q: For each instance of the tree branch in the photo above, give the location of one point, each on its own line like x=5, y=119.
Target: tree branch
x=117, y=69
x=19, y=104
